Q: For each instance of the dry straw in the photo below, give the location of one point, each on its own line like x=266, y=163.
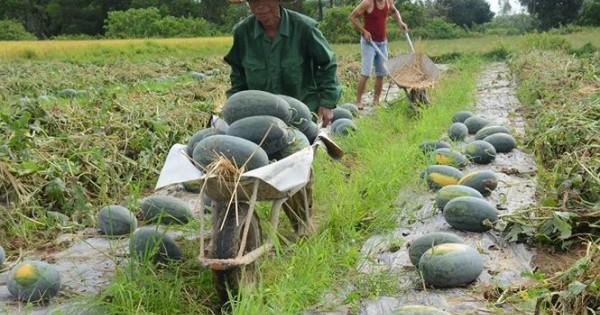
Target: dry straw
x=413, y=74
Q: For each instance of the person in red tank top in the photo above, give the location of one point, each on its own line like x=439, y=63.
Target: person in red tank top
x=373, y=33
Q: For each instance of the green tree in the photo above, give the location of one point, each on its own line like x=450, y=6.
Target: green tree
x=466, y=13
x=177, y=8
x=215, y=11
x=553, y=13
x=337, y=28
x=413, y=13
x=139, y=23
x=70, y=17
x=14, y=30
x=590, y=13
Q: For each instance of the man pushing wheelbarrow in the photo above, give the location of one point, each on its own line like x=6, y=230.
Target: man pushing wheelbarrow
x=283, y=52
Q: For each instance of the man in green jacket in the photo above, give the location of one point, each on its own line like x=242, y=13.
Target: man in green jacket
x=283, y=52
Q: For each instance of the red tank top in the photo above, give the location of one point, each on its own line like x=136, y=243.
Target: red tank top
x=375, y=21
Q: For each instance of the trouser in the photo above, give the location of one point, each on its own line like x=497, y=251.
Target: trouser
x=298, y=208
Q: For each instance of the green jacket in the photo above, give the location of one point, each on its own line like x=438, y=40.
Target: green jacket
x=298, y=62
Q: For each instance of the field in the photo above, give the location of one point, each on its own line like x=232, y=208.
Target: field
x=133, y=99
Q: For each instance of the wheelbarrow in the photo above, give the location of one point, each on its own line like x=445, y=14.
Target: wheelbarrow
x=236, y=240
x=414, y=73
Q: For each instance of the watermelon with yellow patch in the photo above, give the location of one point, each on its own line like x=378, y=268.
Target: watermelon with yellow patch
x=438, y=176
x=447, y=193
x=422, y=243
x=450, y=265
x=484, y=181
x=33, y=281
x=445, y=156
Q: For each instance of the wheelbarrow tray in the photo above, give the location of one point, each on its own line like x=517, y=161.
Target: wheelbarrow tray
x=414, y=71
x=277, y=180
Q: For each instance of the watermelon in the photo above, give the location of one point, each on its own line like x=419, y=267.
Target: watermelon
x=470, y=214
x=447, y=193
x=351, y=107
x=461, y=116
x=432, y=145
x=458, y=131
x=423, y=243
x=311, y=132
x=192, y=186
x=33, y=281
x=57, y=219
x=296, y=142
x=197, y=75
x=502, y=143
x=450, y=265
x=484, y=181
x=339, y=112
x=253, y=103
x=449, y=157
x=240, y=152
x=343, y=126
x=480, y=152
x=418, y=310
x=150, y=244
x=475, y=123
x=490, y=130
x=300, y=113
x=198, y=136
x=267, y=131
x=67, y=93
x=438, y=176
x=165, y=209
x=116, y=220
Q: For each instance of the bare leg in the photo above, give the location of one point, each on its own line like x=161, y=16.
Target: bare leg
x=360, y=90
x=378, y=88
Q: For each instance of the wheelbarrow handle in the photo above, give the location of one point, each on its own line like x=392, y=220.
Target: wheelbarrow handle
x=412, y=48
x=378, y=51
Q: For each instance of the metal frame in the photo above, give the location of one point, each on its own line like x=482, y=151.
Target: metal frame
x=241, y=259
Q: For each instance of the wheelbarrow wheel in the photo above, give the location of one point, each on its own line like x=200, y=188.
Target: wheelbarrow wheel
x=226, y=244
x=418, y=97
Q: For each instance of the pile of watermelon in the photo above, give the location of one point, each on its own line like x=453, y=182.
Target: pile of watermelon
x=260, y=127
x=444, y=259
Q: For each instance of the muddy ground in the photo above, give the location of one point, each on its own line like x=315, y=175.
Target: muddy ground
x=89, y=260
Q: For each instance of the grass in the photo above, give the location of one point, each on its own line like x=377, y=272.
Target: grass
x=104, y=51
x=145, y=50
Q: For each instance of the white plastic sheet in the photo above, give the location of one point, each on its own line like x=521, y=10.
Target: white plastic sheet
x=286, y=175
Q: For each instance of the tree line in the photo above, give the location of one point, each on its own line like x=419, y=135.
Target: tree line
x=167, y=18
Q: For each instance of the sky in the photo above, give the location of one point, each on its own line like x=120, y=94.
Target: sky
x=516, y=7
